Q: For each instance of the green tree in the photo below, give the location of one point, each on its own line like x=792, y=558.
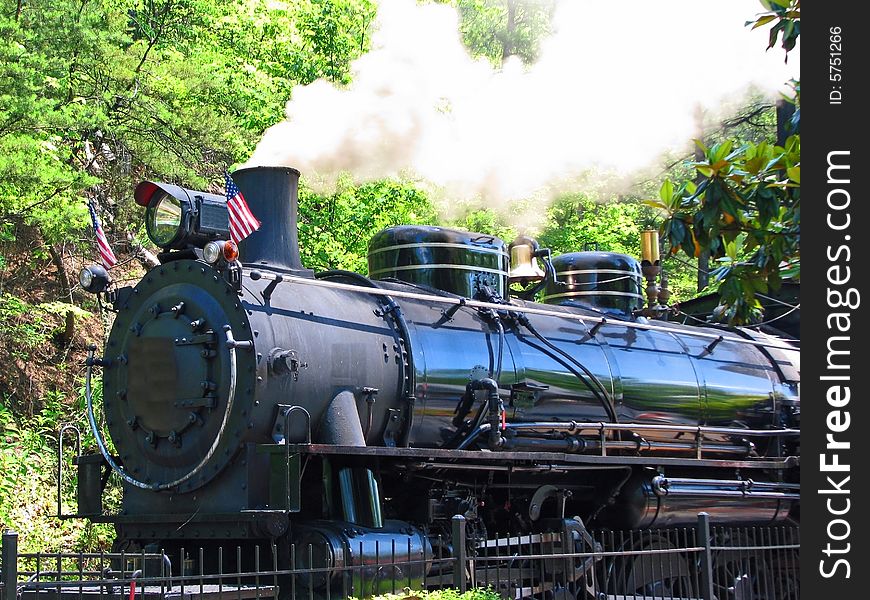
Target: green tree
x=743, y=207
x=498, y=29
x=334, y=228
x=96, y=95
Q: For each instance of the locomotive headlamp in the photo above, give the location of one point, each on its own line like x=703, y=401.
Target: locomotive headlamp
x=163, y=220
x=177, y=218
x=94, y=279
x=212, y=252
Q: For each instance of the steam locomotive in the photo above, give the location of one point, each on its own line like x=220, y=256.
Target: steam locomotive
x=248, y=399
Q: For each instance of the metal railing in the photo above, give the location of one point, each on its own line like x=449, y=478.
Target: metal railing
x=690, y=563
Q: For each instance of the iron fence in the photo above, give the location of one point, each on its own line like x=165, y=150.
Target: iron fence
x=569, y=563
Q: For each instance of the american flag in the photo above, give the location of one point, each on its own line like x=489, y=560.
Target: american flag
x=107, y=257
x=242, y=221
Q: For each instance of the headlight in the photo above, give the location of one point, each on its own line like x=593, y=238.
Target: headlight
x=94, y=279
x=212, y=252
x=178, y=219
x=163, y=220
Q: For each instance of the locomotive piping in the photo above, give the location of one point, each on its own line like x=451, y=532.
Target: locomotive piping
x=340, y=424
x=231, y=394
x=392, y=308
x=517, y=308
x=574, y=427
x=598, y=390
x=496, y=372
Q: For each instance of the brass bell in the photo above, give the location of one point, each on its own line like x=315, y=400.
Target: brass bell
x=524, y=265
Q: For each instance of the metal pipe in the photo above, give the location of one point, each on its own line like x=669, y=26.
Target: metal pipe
x=733, y=494
x=231, y=345
x=78, y=441
x=579, y=444
x=721, y=488
x=495, y=407
x=505, y=307
x=575, y=426
x=749, y=483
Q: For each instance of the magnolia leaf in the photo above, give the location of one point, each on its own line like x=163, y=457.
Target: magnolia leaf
x=794, y=173
x=655, y=204
x=666, y=192
x=721, y=150
x=731, y=250
x=774, y=34
x=762, y=21
x=716, y=166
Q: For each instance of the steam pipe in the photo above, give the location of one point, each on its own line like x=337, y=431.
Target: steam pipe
x=577, y=426
x=720, y=488
x=580, y=444
x=495, y=406
x=516, y=308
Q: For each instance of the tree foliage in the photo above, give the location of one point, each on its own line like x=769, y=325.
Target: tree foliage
x=498, y=29
x=746, y=212
x=743, y=206
x=96, y=94
x=786, y=18
x=334, y=228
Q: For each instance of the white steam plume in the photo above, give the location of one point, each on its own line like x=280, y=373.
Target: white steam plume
x=617, y=83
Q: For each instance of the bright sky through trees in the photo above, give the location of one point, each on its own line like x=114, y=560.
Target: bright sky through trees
x=616, y=84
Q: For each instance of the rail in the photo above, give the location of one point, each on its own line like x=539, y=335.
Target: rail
x=603, y=443
x=716, y=338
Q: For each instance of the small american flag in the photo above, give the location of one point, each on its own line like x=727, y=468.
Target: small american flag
x=107, y=257
x=242, y=221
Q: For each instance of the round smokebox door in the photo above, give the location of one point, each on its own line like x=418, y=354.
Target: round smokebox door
x=167, y=394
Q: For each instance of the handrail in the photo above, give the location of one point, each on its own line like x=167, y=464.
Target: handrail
x=284, y=278
x=78, y=442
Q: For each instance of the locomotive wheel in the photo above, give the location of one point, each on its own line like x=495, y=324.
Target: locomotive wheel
x=739, y=574
x=786, y=576
x=744, y=577
x=651, y=575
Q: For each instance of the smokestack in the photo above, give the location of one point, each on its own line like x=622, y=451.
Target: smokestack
x=272, y=195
